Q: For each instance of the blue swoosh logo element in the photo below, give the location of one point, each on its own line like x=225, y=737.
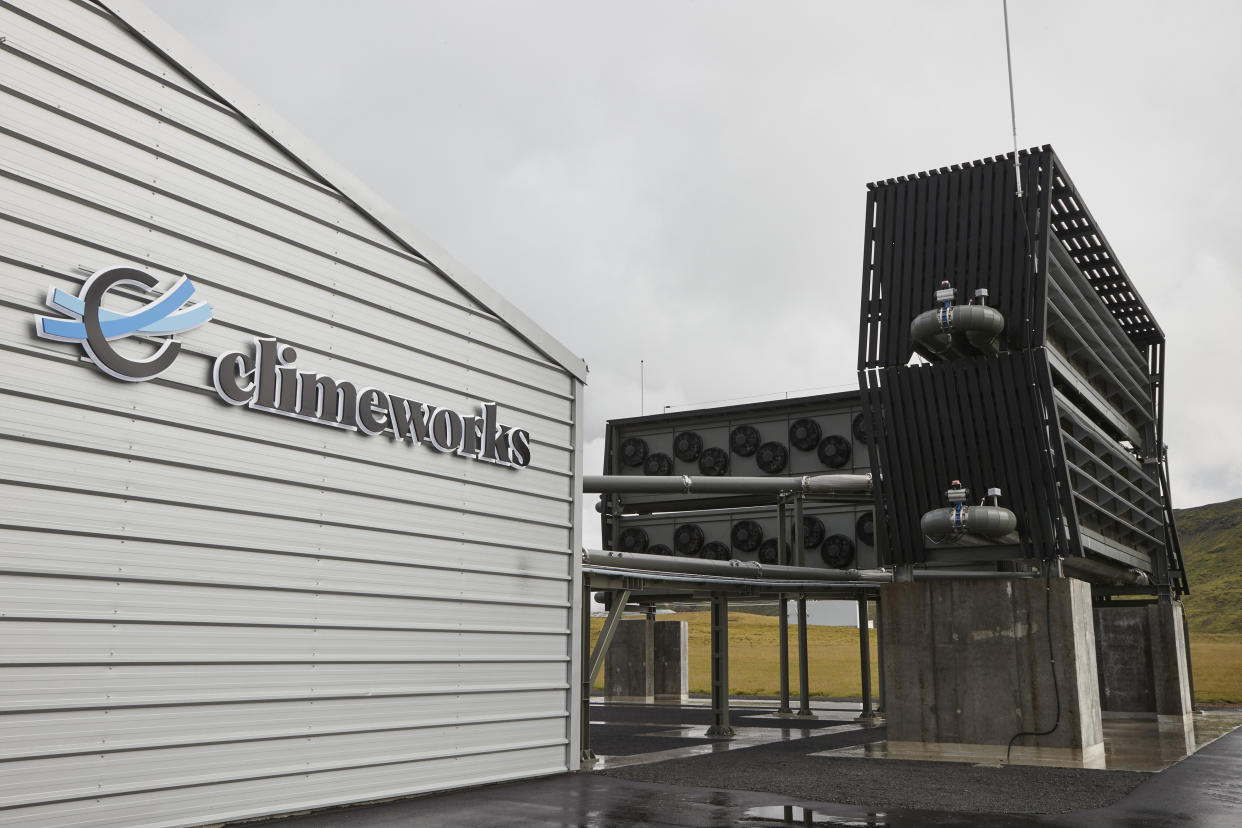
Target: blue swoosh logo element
x=161, y=317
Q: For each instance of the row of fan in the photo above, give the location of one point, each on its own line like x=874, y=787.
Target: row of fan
x=834, y=450
x=836, y=551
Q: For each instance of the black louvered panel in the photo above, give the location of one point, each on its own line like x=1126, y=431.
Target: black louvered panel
x=976, y=421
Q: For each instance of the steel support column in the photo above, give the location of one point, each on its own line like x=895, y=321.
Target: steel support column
x=804, y=680
x=720, y=667
x=782, y=552
x=864, y=657
x=586, y=755
x=879, y=655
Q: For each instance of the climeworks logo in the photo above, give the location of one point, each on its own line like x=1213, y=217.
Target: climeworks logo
x=95, y=326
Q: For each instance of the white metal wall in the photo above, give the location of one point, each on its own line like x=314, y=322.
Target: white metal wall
x=210, y=612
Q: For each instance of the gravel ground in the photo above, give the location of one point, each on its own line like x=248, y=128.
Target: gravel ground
x=786, y=768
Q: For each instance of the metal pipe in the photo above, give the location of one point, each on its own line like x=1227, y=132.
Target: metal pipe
x=970, y=575
x=827, y=484
x=714, y=581
x=752, y=570
x=622, y=563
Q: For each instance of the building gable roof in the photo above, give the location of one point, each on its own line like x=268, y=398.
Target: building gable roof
x=174, y=48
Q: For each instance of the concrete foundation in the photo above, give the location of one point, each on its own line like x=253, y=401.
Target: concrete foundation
x=967, y=667
x=648, y=661
x=1143, y=669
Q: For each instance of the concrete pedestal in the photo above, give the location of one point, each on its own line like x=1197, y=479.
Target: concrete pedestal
x=1143, y=669
x=648, y=661
x=967, y=667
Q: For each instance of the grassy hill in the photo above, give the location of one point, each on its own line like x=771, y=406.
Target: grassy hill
x=1212, y=547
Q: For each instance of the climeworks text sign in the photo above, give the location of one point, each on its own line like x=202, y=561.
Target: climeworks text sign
x=266, y=378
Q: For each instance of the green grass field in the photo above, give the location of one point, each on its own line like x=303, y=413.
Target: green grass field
x=834, y=664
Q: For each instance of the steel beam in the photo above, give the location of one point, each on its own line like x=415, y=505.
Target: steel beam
x=783, y=557
x=720, y=727
x=804, y=680
x=620, y=597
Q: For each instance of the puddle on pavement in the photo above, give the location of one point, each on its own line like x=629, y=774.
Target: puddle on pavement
x=780, y=815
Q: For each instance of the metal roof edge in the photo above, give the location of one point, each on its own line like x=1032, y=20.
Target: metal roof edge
x=175, y=48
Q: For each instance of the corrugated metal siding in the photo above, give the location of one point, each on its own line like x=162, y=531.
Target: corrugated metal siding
x=209, y=612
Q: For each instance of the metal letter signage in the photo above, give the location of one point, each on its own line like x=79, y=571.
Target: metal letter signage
x=94, y=326
x=267, y=380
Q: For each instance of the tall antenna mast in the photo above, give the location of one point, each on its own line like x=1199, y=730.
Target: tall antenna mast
x=642, y=387
x=1013, y=113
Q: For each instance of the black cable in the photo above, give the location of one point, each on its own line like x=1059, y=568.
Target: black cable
x=1052, y=660
x=1029, y=310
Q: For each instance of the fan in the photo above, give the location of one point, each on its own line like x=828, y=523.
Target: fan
x=633, y=539
x=658, y=464
x=714, y=462
x=633, y=451
x=768, y=552
x=804, y=434
x=687, y=446
x=688, y=539
x=813, y=531
x=744, y=440
x=837, y=551
x=746, y=535
x=864, y=528
x=772, y=457
x=834, y=451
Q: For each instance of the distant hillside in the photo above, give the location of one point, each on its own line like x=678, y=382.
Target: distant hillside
x=1212, y=546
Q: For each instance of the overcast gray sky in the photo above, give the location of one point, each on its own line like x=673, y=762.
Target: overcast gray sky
x=683, y=181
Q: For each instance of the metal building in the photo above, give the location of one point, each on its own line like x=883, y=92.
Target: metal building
x=319, y=548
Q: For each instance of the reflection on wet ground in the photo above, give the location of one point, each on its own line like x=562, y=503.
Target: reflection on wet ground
x=1132, y=744
x=771, y=816
x=1129, y=744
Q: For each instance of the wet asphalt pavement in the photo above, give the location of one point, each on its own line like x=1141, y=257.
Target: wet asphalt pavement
x=780, y=783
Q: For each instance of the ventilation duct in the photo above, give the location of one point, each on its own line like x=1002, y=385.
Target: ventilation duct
x=716, y=551
x=659, y=549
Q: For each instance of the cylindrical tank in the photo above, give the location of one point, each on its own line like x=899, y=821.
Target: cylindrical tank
x=988, y=521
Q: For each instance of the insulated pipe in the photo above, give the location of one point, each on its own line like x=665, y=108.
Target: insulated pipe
x=751, y=572
x=733, y=569
x=685, y=484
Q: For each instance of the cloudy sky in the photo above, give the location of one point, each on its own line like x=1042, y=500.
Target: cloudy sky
x=683, y=182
